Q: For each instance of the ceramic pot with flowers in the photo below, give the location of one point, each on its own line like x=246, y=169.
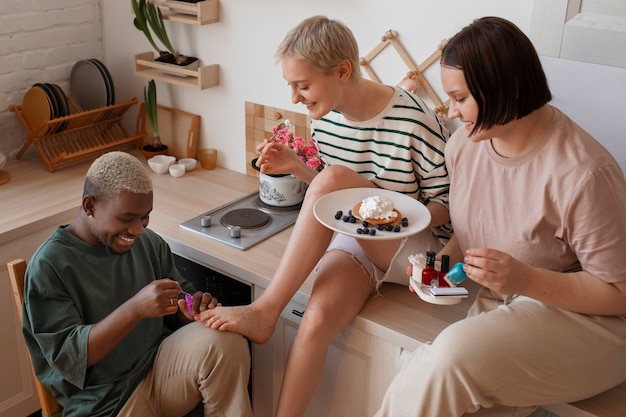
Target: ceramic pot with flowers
x=283, y=190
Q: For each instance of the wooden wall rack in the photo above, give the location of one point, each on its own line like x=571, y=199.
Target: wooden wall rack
x=201, y=78
x=80, y=135
x=200, y=13
x=415, y=73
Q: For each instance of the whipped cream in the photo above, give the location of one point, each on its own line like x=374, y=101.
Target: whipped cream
x=377, y=207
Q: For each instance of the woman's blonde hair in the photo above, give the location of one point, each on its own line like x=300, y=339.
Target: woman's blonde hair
x=322, y=42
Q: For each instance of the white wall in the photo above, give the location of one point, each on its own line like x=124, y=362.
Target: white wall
x=244, y=41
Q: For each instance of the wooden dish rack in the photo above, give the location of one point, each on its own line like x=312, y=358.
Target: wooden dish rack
x=81, y=135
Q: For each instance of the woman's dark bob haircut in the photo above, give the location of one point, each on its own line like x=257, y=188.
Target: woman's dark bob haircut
x=501, y=68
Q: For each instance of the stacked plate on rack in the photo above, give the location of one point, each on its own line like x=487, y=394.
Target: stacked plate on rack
x=42, y=103
x=91, y=85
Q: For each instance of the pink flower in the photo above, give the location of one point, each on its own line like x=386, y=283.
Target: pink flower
x=315, y=163
x=307, y=152
x=310, y=151
x=298, y=144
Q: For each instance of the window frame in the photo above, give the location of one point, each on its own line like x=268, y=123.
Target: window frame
x=595, y=33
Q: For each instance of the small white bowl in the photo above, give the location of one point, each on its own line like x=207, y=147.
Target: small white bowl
x=189, y=163
x=177, y=170
x=161, y=163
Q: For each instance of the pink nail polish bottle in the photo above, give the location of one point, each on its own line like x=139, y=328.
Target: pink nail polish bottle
x=189, y=303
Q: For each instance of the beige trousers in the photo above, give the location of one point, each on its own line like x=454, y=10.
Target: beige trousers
x=195, y=364
x=509, y=356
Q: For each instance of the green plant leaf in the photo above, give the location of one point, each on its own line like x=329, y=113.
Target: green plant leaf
x=140, y=21
x=157, y=24
x=150, y=101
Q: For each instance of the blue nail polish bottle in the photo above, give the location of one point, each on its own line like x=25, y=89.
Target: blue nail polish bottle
x=456, y=275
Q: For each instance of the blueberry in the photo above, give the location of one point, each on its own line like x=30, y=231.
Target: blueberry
x=338, y=215
x=381, y=227
x=396, y=229
x=389, y=228
x=365, y=223
x=359, y=231
x=366, y=231
x=352, y=219
x=372, y=232
x=346, y=219
x=405, y=222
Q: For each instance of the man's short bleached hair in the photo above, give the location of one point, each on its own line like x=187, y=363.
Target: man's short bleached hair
x=324, y=43
x=116, y=171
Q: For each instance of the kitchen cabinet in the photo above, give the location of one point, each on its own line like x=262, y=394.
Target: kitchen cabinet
x=358, y=369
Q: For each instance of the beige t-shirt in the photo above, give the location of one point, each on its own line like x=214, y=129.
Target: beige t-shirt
x=561, y=206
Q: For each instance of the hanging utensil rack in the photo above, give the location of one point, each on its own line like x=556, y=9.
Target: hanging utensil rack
x=81, y=135
x=416, y=72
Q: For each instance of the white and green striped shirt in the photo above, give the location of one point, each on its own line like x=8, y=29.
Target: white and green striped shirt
x=400, y=149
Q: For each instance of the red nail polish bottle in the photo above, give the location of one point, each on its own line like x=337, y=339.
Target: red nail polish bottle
x=429, y=274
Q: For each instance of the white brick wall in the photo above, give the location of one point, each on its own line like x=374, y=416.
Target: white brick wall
x=40, y=40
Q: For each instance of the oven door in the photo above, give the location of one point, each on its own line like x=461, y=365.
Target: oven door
x=227, y=290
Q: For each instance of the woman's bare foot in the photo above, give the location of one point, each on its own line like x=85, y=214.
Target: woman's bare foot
x=255, y=324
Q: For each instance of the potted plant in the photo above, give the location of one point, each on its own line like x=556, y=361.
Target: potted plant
x=149, y=19
x=155, y=147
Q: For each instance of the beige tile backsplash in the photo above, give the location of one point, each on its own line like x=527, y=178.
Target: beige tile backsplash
x=259, y=122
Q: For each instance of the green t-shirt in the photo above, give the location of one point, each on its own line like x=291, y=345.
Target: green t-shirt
x=71, y=285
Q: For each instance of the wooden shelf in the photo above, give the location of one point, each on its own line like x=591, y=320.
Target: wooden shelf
x=201, y=78
x=80, y=135
x=200, y=13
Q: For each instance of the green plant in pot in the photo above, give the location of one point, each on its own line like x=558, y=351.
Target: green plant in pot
x=155, y=147
x=149, y=19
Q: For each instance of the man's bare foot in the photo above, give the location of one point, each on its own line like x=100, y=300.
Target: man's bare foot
x=255, y=324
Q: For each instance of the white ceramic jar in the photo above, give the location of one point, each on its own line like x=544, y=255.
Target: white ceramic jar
x=281, y=190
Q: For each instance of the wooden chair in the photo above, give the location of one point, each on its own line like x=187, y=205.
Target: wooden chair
x=49, y=406
x=17, y=268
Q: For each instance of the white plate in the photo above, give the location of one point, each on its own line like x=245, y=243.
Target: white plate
x=326, y=207
x=424, y=293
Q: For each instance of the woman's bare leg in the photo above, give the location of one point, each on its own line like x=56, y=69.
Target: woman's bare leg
x=341, y=288
x=308, y=242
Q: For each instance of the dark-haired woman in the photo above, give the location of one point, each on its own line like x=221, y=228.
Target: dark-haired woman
x=539, y=212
